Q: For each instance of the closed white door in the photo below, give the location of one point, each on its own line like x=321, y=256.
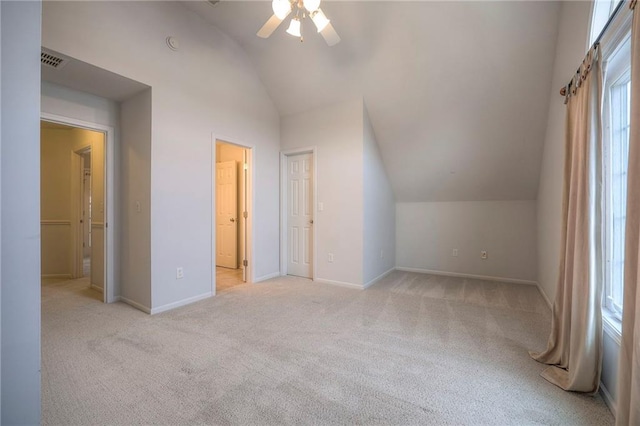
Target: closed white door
x=300, y=214
x=227, y=215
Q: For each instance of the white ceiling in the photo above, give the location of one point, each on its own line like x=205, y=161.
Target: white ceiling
x=457, y=92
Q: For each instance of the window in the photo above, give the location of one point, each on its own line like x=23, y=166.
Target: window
x=616, y=159
x=601, y=11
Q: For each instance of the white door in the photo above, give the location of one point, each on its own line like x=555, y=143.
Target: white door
x=300, y=214
x=226, y=215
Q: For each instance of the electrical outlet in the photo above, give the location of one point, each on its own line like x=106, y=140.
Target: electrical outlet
x=454, y=253
x=381, y=254
x=179, y=272
x=483, y=254
x=330, y=257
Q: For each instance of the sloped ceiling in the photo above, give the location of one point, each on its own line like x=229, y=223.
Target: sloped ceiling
x=457, y=92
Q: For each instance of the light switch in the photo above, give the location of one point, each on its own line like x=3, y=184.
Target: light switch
x=320, y=206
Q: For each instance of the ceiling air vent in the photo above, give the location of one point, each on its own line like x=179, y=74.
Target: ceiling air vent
x=52, y=60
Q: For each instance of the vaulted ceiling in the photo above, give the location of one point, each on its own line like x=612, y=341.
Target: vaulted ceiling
x=457, y=92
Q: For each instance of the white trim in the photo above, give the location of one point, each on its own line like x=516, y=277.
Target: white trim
x=96, y=288
x=544, y=296
x=608, y=399
x=461, y=275
x=56, y=222
x=66, y=276
x=180, y=303
x=340, y=283
x=610, y=326
x=109, y=193
x=266, y=277
x=378, y=278
x=283, y=207
x=134, y=304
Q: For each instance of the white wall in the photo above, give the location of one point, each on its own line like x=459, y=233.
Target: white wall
x=336, y=132
x=379, y=216
x=427, y=233
x=135, y=187
x=20, y=227
x=207, y=87
x=570, y=50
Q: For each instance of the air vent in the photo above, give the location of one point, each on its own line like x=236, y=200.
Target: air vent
x=52, y=60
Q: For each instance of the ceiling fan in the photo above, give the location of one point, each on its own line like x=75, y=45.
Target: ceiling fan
x=300, y=10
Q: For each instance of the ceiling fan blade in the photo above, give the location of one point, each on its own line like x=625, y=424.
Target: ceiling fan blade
x=269, y=27
x=330, y=35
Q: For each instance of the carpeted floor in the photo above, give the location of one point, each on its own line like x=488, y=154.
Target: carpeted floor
x=412, y=349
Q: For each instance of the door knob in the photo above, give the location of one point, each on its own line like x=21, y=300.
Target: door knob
x=232, y=220
x=311, y=221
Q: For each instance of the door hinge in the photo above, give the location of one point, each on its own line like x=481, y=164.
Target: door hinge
x=245, y=166
x=106, y=225
x=245, y=263
x=245, y=215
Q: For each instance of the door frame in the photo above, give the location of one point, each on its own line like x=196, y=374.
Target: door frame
x=250, y=202
x=109, y=192
x=283, y=207
x=77, y=206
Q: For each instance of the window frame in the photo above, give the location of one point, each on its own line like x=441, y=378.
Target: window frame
x=617, y=76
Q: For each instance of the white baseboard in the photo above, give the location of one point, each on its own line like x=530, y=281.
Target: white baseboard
x=379, y=277
x=340, y=283
x=267, y=277
x=96, y=288
x=461, y=275
x=608, y=399
x=136, y=305
x=183, y=302
x=544, y=296
x=65, y=276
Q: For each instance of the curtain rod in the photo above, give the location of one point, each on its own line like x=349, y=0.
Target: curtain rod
x=563, y=91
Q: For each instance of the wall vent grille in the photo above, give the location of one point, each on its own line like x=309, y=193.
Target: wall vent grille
x=51, y=60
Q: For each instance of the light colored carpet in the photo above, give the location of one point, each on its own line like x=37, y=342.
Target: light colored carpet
x=413, y=349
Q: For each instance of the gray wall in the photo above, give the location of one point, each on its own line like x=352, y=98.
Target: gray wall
x=135, y=178
x=336, y=132
x=379, y=250
x=20, y=198
x=427, y=233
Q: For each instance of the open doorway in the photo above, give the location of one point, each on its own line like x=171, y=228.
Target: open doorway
x=72, y=200
x=232, y=195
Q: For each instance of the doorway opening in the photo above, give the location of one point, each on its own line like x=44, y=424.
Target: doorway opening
x=297, y=211
x=232, y=213
x=73, y=215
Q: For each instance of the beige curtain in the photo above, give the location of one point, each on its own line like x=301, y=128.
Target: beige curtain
x=628, y=412
x=574, y=349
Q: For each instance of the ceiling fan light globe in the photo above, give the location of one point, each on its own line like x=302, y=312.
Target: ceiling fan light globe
x=311, y=5
x=294, y=28
x=320, y=20
x=281, y=8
